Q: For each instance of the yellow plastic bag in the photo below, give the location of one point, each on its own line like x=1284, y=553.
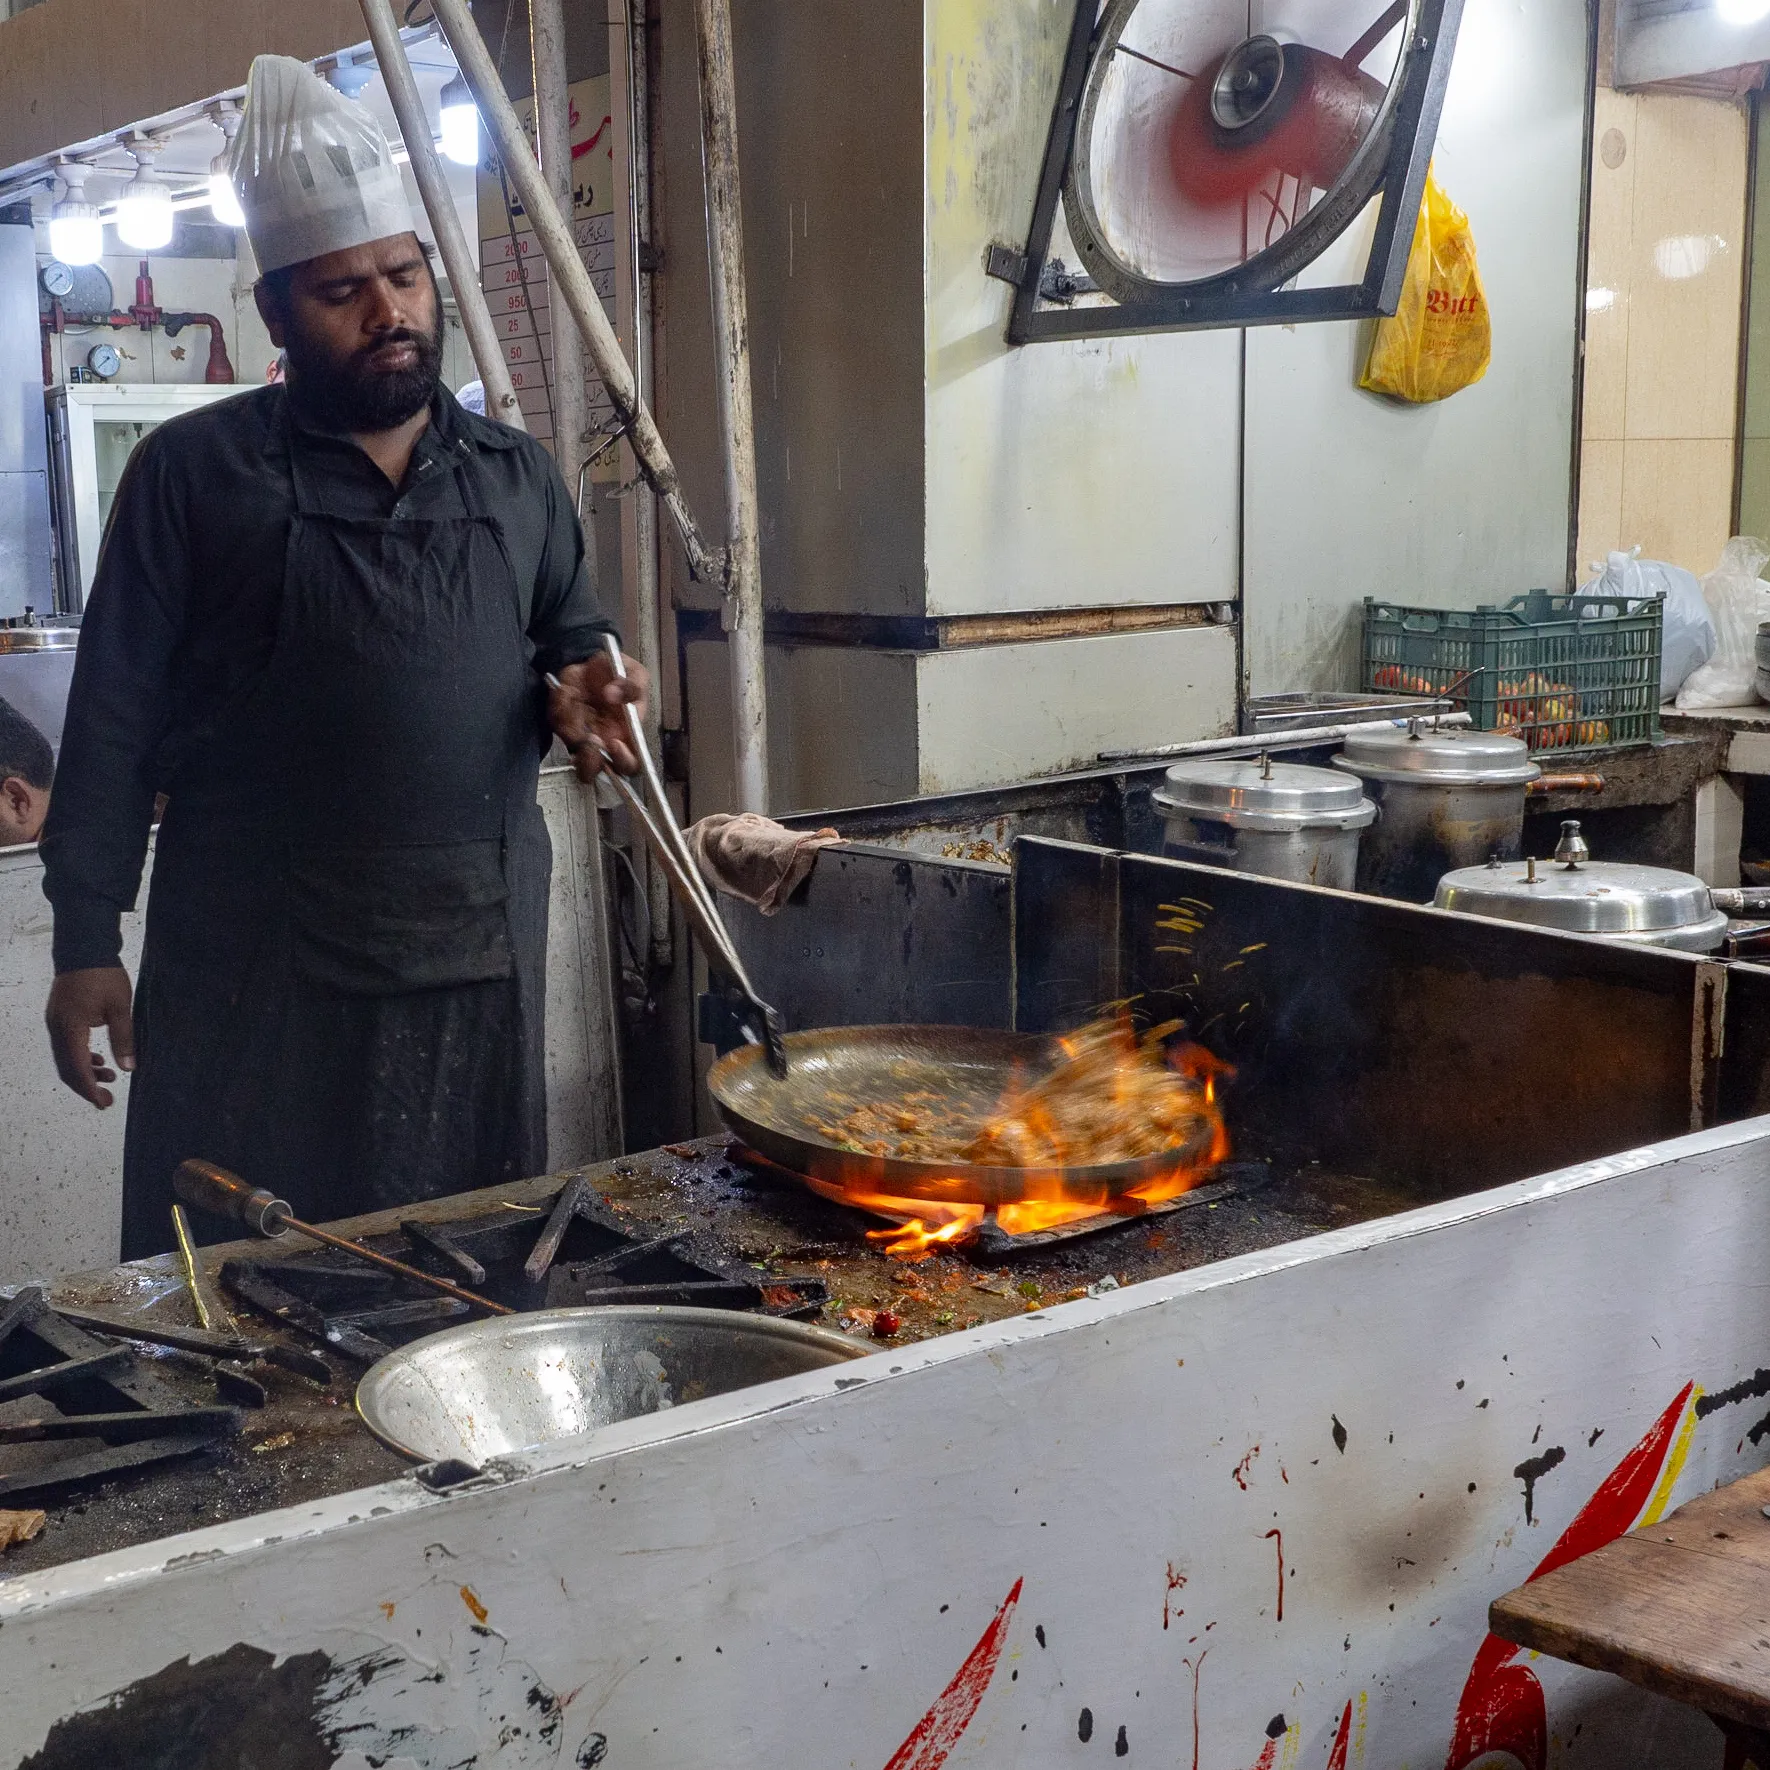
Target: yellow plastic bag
x=1439, y=340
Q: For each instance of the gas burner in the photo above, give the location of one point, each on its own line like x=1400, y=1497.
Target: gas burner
x=577, y=1250
x=989, y=1244
x=73, y=1407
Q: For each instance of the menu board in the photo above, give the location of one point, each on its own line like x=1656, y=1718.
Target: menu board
x=514, y=274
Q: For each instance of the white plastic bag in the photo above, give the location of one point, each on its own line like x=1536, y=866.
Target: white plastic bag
x=1689, y=637
x=1732, y=591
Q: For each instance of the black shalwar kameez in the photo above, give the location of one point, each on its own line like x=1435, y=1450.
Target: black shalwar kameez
x=336, y=683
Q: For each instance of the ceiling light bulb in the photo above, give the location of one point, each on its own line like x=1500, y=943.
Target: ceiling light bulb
x=1742, y=12
x=224, y=201
x=144, y=211
x=459, y=124
x=76, y=235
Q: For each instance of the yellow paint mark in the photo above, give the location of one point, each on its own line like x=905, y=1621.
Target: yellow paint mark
x=1662, y=1495
x=1233, y=964
x=387, y=1611
x=471, y=1599
x=1175, y=949
x=1259, y=946
x=1293, y=1744
x=1358, y=1731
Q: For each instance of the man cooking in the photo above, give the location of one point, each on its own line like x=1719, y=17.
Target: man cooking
x=320, y=625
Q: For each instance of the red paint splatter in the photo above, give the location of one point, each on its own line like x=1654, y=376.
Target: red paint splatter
x=1278, y=1537
x=1242, y=1469
x=1176, y=1579
x=938, y=1731
x=1502, y=1707
x=1268, y=1755
x=1342, y=1741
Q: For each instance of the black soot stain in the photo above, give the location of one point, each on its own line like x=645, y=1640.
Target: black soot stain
x=1275, y=1728
x=1532, y=1470
x=241, y=1707
x=1754, y=1388
x=1121, y=1745
x=1039, y=1634
x=1339, y=1434
x=1085, y=1726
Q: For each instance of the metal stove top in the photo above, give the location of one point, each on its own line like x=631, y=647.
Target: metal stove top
x=685, y=1211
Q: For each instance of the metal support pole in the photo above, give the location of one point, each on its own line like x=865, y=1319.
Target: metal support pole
x=629, y=50
x=461, y=264
x=737, y=427
x=553, y=141
x=571, y=281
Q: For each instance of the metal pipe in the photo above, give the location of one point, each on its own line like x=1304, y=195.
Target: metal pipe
x=1254, y=742
x=553, y=140
x=737, y=425
x=461, y=265
x=640, y=515
x=571, y=281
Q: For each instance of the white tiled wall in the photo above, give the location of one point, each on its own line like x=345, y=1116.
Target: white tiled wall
x=1665, y=263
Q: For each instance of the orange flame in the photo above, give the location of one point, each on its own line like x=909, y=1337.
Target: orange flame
x=1115, y=1097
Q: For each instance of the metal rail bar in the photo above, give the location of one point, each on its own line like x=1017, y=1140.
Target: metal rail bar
x=462, y=265
x=737, y=423
x=572, y=282
x=553, y=138
x=1252, y=743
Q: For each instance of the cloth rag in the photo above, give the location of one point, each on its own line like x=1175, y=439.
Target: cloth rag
x=754, y=858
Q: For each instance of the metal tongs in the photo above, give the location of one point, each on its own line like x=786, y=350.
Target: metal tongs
x=758, y=1022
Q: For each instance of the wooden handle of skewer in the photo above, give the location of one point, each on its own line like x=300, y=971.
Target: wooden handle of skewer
x=210, y=1188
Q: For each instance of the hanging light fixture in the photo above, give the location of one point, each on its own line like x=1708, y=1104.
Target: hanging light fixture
x=459, y=121
x=76, y=235
x=350, y=76
x=144, y=211
x=224, y=202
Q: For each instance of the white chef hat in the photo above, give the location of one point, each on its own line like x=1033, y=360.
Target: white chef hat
x=311, y=167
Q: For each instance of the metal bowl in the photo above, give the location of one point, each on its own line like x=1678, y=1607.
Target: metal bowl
x=514, y=1382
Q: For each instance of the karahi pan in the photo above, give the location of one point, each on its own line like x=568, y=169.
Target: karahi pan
x=833, y=1070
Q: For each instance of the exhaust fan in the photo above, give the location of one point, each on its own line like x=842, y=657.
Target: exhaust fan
x=1206, y=151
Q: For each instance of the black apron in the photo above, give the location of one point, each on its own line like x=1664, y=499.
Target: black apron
x=341, y=986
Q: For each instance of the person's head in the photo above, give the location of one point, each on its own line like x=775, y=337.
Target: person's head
x=27, y=766
x=362, y=331
x=345, y=289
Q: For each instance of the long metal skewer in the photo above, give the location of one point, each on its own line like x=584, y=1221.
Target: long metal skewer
x=210, y=1188
x=664, y=835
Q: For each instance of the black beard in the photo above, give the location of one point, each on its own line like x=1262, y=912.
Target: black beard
x=350, y=397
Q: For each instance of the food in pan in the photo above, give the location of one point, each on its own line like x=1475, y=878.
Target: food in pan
x=1113, y=1095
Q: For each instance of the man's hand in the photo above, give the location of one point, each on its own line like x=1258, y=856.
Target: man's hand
x=79, y=1001
x=588, y=713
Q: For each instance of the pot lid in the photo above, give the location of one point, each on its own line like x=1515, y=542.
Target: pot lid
x=1258, y=793
x=1450, y=756
x=1599, y=897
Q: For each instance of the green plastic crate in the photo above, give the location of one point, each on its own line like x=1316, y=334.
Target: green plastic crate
x=1562, y=672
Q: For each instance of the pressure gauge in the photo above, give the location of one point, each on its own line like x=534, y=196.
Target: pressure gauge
x=58, y=279
x=103, y=361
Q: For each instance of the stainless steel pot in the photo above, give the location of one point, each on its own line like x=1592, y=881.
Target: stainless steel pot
x=1643, y=906
x=1278, y=819
x=1763, y=657
x=513, y=1382
x=1445, y=799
